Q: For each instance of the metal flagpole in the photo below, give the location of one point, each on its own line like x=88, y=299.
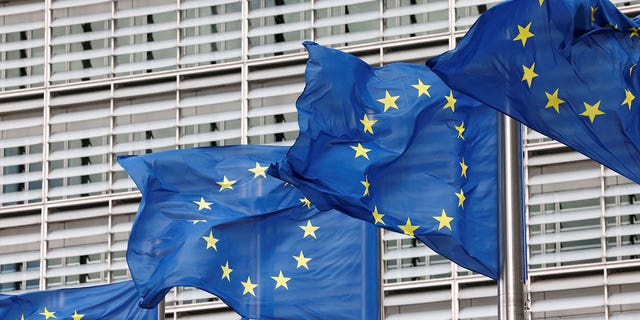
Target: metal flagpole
x=161, y=310
x=510, y=282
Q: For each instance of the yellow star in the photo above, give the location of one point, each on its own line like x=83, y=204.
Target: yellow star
x=422, y=88
x=451, y=101
x=592, y=111
x=302, y=260
x=463, y=168
x=259, y=171
x=541, y=2
x=226, y=271
x=634, y=32
x=22, y=317
x=203, y=204
x=460, y=130
x=377, y=216
x=628, y=98
x=76, y=315
x=309, y=230
x=389, y=101
x=368, y=124
x=226, y=183
x=48, y=314
x=306, y=202
x=461, y=198
x=408, y=228
x=248, y=287
x=523, y=34
x=211, y=241
x=553, y=101
x=366, y=185
x=361, y=151
x=529, y=74
x=281, y=281
x=593, y=13
x=444, y=220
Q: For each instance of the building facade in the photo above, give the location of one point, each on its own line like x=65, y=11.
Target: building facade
x=83, y=81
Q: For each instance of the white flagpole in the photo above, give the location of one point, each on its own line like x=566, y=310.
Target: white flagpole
x=510, y=282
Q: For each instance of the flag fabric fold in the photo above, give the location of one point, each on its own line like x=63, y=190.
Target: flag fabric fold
x=211, y=218
x=565, y=68
x=396, y=147
x=104, y=302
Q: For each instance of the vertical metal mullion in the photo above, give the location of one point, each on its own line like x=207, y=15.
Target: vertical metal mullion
x=244, y=84
x=603, y=218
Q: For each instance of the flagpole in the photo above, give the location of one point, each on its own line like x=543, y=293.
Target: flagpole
x=510, y=282
x=161, y=310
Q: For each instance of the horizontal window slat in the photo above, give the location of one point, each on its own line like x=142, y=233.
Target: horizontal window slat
x=565, y=236
x=568, y=256
x=211, y=56
x=145, y=144
x=80, y=73
x=145, y=65
x=144, y=107
x=22, y=141
x=273, y=128
x=20, y=177
x=144, y=126
x=71, y=215
x=13, y=9
x=210, y=99
x=79, y=152
x=80, y=55
x=210, y=118
x=210, y=20
x=77, y=251
x=271, y=110
x=279, y=10
x=93, y=187
x=144, y=29
x=210, y=38
x=27, y=26
x=72, y=20
x=143, y=11
x=79, y=171
x=21, y=45
x=210, y=136
x=78, y=134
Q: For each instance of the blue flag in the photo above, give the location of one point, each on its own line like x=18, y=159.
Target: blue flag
x=211, y=218
x=105, y=302
x=565, y=68
x=396, y=147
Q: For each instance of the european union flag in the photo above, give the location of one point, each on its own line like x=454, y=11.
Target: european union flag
x=105, y=302
x=211, y=218
x=396, y=147
x=566, y=68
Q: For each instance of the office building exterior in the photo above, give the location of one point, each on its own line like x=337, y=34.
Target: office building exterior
x=83, y=81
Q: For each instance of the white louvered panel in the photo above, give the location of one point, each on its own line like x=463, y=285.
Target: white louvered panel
x=282, y=28
x=19, y=276
x=20, y=123
x=21, y=45
x=350, y=37
x=20, y=196
x=624, y=251
x=415, y=272
x=80, y=152
x=150, y=125
x=75, y=135
x=192, y=4
x=209, y=20
x=415, y=28
x=323, y=4
x=125, y=208
x=144, y=144
x=79, y=171
x=79, y=19
x=122, y=227
x=278, y=90
x=279, y=10
x=624, y=298
x=193, y=294
x=20, y=177
x=577, y=215
x=403, y=253
x=212, y=56
x=421, y=315
x=21, y=105
x=77, y=251
x=119, y=246
x=400, y=299
x=24, y=141
x=284, y=71
x=79, y=98
x=474, y=312
x=144, y=107
x=567, y=256
x=568, y=303
x=22, y=63
x=80, y=73
x=625, y=230
x=145, y=10
x=567, y=283
x=78, y=189
x=119, y=265
x=77, y=269
x=215, y=98
x=566, y=236
x=18, y=257
x=144, y=47
x=210, y=136
x=80, y=37
x=346, y=19
x=556, y=158
x=144, y=90
x=22, y=81
x=144, y=29
x=273, y=128
x=478, y=292
x=144, y=65
x=209, y=118
x=567, y=176
x=624, y=278
x=561, y=196
x=60, y=4
x=620, y=190
x=271, y=110
x=20, y=221
x=213, y=81
x=18, y=239
x=467, y=21
x=625, y=315
x=413, y=9
x=78, y=232
x=20, y=159
x=18, y=27
x=69, y=215
x=80, y=55
x=275, y=47
x=14, y=9
x=209, y=38
x=123, y=184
